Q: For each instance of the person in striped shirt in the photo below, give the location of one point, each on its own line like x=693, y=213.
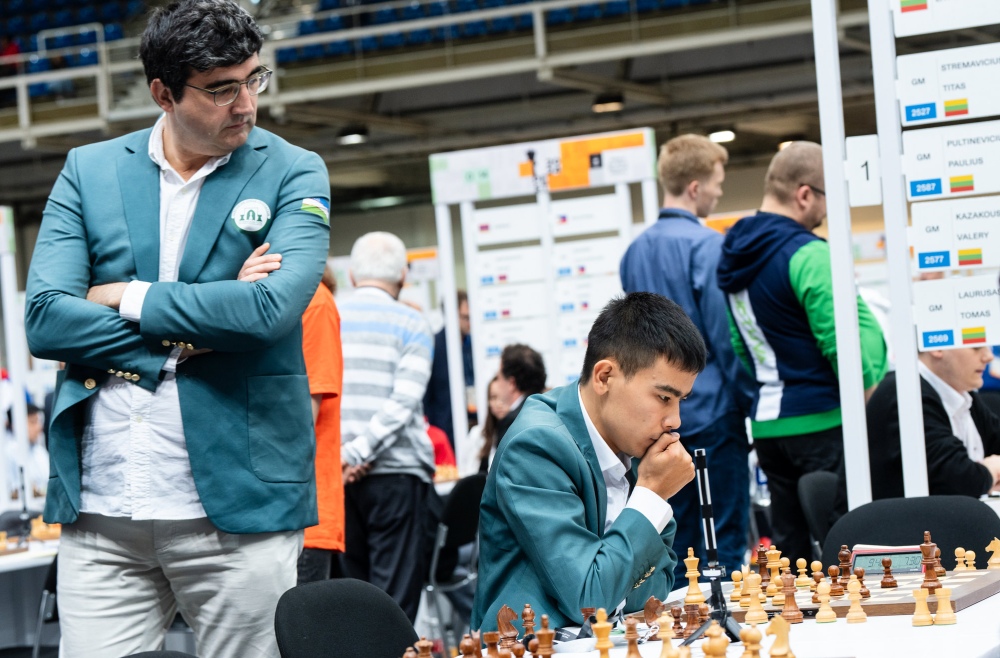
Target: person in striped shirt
x=387, y=457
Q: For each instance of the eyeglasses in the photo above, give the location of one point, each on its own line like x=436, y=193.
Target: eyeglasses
x=226, y=94
x=815, y=189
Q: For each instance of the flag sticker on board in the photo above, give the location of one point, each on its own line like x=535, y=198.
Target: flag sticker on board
x=972, y=335
x=970, y=256
x=956, y=107
x=318, y=207
x=912, y=5
x=961, y=183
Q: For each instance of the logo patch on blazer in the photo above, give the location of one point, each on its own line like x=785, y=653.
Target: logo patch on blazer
x=251, y=215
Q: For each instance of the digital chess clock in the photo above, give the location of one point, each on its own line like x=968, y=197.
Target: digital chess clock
x=905, y=559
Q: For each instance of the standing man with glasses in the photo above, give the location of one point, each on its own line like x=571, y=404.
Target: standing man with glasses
x=776, y=276
x=171, y=272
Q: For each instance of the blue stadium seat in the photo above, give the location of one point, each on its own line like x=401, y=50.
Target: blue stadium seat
x=15, y=6
x=86, y=38
x=589, y=12
x=473, y=29
x=63, y=18
x=61, y=41
x=673, y=4
x=86, y=15
x=110, y=12
x=383, y=16
x=392, y=40
x=644, y=6
x=135, y=8
x=502, y=25
x=39, y=22
x=338, y=48
x=86, y=57
x=39, y=5
x=331, y=24
x=419, y=37
x=616, y=8
x=525, y=21
x=462, y=6
x=60, y=4
x=37, y=65
x=17, y=25
x=113, y=32
x=442, y=33
x=412, y=12
x=437, y=8
x=559, y=16
x=287, y=55
x=312, y=51
x=368, y=44
x=308, y=26
x=327, y=5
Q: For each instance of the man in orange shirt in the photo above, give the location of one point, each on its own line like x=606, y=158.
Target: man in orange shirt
x=325, y=368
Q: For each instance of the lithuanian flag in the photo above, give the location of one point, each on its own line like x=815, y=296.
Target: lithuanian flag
x=912, y=5
x=970, y=256
x=961, y=183
x=973, y=335
x=956, y=107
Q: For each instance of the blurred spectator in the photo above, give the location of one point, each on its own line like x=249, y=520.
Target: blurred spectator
x=522, y=373
x=478, y=444
x=437, y=399
x=445, y=468
x=990, y=392
x=35, y=462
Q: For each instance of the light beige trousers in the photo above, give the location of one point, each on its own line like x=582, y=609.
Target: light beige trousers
x=121, y=582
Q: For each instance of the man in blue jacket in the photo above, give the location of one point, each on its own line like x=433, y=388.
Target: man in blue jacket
x=776, y=274
x=568, y=521
x=677, y=258
x=181, y=440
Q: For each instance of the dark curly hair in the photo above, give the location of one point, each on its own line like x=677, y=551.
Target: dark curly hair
x=525, y=366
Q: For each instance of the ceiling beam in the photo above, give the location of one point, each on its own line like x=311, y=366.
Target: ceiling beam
x=574, y=79
x=325, y=115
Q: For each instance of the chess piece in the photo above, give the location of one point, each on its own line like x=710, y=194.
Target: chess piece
x=423, y=648
x=685, y=652
x=779, y=629
x=773, y=565
x=491, y=639
x=587, y=613
x=528, y=620
x=751, y=637
x=737, y=577
x=409, y=653
x=844, y=556
x=826, y=613
x=803, y=580
x=888, y=580
x=921, y=614
x=692, y=619
x=960, y=559
x=602, y=631
x=676, y=613
x=970, y=560
x=765, y=577
x=927, y=550
x=790, y=611
x=817, y=579
x=938, y=568
x=545, y=635
x=505, y=626
x=477, y=643
x=518, y=650
x=856, y=614
x=745, y=590
x=694, y=593
x=651, y=612
x=817, y=570
x=632, y=638
x=467, y=647
x=668, y=650
x=865, y=592
x=502, y=652
x=945, y=615
x=836, y=587
x=704, y=613
x=778, y=599
x=756, y=612
x=716, y=642
x=533, y=647
x=994, y=562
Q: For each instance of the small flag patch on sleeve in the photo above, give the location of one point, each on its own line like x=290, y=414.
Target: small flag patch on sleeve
x=319, y=207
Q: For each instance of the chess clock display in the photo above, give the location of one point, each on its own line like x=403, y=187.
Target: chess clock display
x=905, y=559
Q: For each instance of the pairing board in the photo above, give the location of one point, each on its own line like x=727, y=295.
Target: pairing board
x=967, y=588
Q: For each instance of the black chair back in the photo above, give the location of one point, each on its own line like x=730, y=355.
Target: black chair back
x=461, y=510
x=953, y=521
x=343, y=617
x=817, y=493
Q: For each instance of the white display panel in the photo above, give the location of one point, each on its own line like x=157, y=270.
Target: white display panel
x=956, y=234
x=572, y=329
x=570, y=364
x=494, y=336
x=585, y=215
x=586, y=294
x=517, y=300
x=500, y=266
x=912, y=17
x=957, y=312
x=587, y=257
x=949, y=85
x=507, y=224
x=952, y=160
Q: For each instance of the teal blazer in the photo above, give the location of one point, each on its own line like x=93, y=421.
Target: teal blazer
x=245, y=406
x=541, y=526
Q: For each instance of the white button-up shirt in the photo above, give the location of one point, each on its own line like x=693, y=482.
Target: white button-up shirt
x=958, y=406
x=134, y=460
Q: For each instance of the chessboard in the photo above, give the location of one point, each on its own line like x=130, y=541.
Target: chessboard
x=967, y=588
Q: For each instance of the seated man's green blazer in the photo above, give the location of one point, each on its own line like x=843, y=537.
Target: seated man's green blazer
x=245, y=406
x=541, y=525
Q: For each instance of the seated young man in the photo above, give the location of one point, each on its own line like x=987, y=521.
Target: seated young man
x=961, y=434
x=566, y=522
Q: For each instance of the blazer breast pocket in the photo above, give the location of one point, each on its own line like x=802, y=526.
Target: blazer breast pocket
x=280, y=429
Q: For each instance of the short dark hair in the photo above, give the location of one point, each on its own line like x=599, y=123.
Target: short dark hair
x=637, y=329
x=196, y=35
x=525, y=366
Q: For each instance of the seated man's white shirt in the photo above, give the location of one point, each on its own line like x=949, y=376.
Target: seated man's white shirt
x=958, y=406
